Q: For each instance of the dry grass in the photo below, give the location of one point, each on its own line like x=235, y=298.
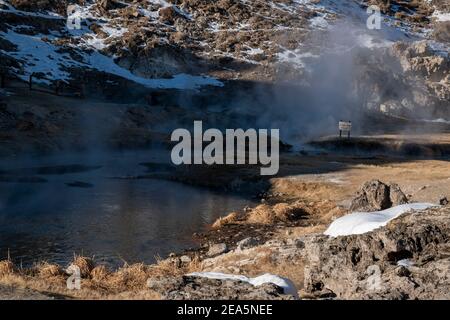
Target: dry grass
x=85, y=264
x=261, y=214
x=267, y=214
x=48, y=270
x=100, y=273
x=222, y=221
x=128, y=282
x=6, y=267
x=306, y=190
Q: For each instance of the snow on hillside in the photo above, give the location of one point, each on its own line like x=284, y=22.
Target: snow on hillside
x=362, y=222
x=37, y=54
x=40, y=56
x=441, y=16
x=245, y=31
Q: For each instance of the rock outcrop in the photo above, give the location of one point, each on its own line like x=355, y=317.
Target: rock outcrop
x=407, y=259
x=428, y=73
x=200, y=288
x=375, y=195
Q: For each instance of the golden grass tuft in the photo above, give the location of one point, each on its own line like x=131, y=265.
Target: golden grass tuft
x=47, y=270
x=85, y=264
x=289, y=212
x=222, y=221
x=261, y=214
x=6, y=267
x=100, y=273
x=133, y=277
x=266, y=214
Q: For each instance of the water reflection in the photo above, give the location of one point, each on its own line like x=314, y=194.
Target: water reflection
x=115, y=220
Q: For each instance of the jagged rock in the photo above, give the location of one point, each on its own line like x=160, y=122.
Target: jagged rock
x=156, y=60
x=443, y=201
x=110, y=4
x=217, y=249
x=200, y=288
x=367, y=266
x=396, y=195
x=97, y=29
x=392, y=107
x=59, y=6
x=375, y=195
x=247, y=243
x=169, y=14
x=442, y=31
x=419, y=61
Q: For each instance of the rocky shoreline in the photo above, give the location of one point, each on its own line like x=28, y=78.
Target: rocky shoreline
x=281, y=238
x=247, y=63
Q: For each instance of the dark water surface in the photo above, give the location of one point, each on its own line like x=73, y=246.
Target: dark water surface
x=81, y=209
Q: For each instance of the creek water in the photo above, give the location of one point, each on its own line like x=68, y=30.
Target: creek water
x=54, y=207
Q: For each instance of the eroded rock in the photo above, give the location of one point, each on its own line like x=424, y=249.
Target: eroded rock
x=375, y=195
x=200, y=288
x=217, y=249
x=367, y=266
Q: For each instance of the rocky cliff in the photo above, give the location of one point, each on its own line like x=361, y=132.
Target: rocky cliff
x=408, y=259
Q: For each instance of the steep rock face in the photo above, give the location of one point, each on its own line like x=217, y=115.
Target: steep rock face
x=405, y=79
x=407, y=259
x=428, y=69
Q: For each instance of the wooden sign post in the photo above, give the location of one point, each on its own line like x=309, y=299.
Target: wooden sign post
x=30, y=81
x=345, y=126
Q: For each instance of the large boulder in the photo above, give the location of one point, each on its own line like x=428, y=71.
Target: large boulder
x=375, y=195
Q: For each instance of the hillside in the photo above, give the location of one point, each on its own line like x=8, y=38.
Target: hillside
x=249, y=63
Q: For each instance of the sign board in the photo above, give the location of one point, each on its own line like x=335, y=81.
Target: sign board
x=345, y=126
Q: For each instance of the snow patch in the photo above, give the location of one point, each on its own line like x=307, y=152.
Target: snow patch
x=405, y=263
x=38, y=56
x=179, y=81
x=440, y=120
x=319, y=22
x=362, y=222
x=296, y=57
x=441, y=16
x=286, y=284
